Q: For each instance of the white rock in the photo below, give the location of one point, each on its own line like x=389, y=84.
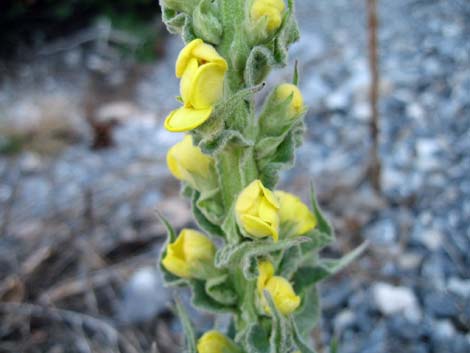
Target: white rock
x=432, y=239
x=444, y=328
x=343, y=320
x=459, y=286
x=144, y=296
x=391, y=300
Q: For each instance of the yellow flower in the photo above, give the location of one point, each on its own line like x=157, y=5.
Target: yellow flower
x=265, y=273
x=272, y=10
x=215, y=342
x=186, y=162
x=202, y=72
x=293, y=211
x=281, y=291
x=257, y=211
x=296, y=106
x=188, y=254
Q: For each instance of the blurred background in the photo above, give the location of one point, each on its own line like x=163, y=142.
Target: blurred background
x=84, y=88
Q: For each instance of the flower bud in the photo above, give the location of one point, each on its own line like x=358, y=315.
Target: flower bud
x=186, y=6
x=296, y=105
x=269, y=11
x=190, y=256
x=295, y=216
x=283, y=295
x=187, y=163
x=215, y=342
x=202, y=72
x=257, y=211
x=281, y=291
x=206, y=21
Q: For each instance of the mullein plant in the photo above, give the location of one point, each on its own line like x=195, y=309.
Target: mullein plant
x=256, y=255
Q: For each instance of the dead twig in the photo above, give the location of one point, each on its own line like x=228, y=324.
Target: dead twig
x=95, y=279
x=75, y=319
x=375, y=165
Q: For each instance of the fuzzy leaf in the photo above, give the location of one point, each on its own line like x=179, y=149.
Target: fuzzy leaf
x=283, y=158
x=318, y=241
x=310, y=275
x=258, y=65
x=188, y=329
x=221, y=290
x=202, y=220
x=203, y=301
x=206, y=22
x=308, y=314
x=323, y=225
x=288, y=34
x=245, y=254
x=290, y=261
x=256, y=340
x=178, y=23
x=281, y=337
x=298, y=340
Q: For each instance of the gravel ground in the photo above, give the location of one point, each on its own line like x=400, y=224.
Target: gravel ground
x=411, y=291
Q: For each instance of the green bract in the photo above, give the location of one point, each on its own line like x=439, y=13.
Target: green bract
x=230, y=178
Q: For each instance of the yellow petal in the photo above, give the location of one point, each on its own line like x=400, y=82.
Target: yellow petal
x=184, y=160
x=186, y=82
x=176, y=266
x=197, y=247
x=256, y=227
x=175, y=261
x=204, y=53
x=248, y=197
x=266, y=271
x=283, y=295
x=207, y=86
x=215, y=342
x=296, y=106
x=277, y=4
x=268, y=213
x=269, y=195
x=207, y=53
x=293, y=210
x=185, y=119
x=273, y=15
x=185, y=55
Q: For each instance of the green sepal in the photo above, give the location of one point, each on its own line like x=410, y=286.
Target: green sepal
x=244, y=255
x=290, y=261
x=258, y=65
x=206, y=21
x=169, y=279
x=324, y=225
x=276, y=119
x=255, y=339
x=178, y=23
x=288, y=34
x=201, y=299
x=299, y=339
x=218, y=131
x=308, y=314
x=188, y=328
x=239, y=52
x=280, y=340
x=221, y=290
x=186, y=6
x=322, y=235
x=210, y=204
x=201, y=219
x=282, y=158
x=230, y=228
x=324, y=268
